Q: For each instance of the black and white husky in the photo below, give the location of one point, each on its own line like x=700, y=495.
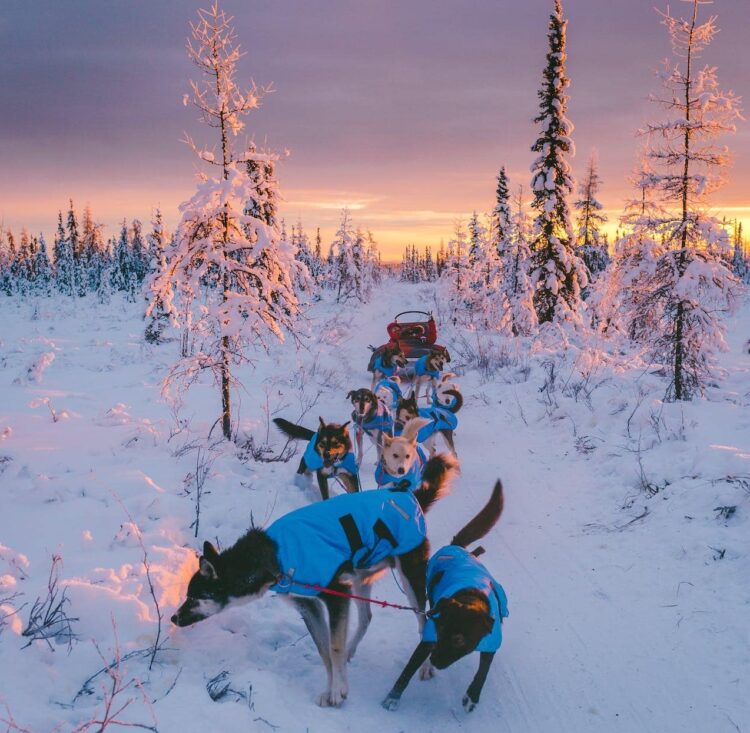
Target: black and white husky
x=342, y=545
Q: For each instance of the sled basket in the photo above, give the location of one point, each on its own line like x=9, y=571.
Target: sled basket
x=415, y=337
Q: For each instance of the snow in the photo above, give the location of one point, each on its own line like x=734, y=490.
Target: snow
x=627, y=588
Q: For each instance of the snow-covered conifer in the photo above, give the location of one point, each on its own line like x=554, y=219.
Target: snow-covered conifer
x=42, y=268
x=557, y=273
x=591, y=244
x=64, y=262
x=515, y=259
x=690, y=285
x=229, y=260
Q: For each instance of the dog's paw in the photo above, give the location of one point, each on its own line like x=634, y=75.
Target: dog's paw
x=426, y=671
x=469, y=704
x=333, y=698
x=391, y=703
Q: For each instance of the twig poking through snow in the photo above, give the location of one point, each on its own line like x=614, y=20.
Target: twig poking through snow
x=48, y=618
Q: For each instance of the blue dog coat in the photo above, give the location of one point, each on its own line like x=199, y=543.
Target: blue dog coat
x=441, y=418
x=381, y=420
x=393, y=387
x=421, y=370
x=378, y=366
x=362, y=529
x=452, y=569
x=314, y=461
x=413, y=476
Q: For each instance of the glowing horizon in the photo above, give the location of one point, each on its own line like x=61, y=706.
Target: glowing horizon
x=405, y=121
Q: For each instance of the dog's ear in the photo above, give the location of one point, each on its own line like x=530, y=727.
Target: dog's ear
x=322, y=422
x=412, y=428
x=206, y=561
x=395, y=379
x=206, y=569
x=387, y=439
x=345, y=427
x=209, y=551
x=446, y=355
x=350, y=395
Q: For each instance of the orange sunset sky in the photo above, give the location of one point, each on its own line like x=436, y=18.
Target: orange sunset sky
x=402, y=111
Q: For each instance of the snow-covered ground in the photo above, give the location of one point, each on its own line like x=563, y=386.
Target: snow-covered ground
x=628, y=588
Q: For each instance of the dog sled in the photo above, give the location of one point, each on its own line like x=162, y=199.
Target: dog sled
x=415, y=338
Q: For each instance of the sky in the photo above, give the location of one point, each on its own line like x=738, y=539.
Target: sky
x=402, y=110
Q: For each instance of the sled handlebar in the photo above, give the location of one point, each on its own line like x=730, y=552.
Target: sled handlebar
x=403, y=313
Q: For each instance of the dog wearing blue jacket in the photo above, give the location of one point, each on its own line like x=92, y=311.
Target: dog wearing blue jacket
x=328, y=453
x=314, y=554
x=387, y=363
x=402, y=459
x=428, y=368
x=371, y=417
x=467, y=608
x=440, y=417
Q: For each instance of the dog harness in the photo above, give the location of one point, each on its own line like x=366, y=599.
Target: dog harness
x=314, y=461
x=359, y=530
x=389, y=392
x=441, y=418
x=378, y=366
x=411, y=480
x=381, y=420
x=452, y=569
x=421, y=370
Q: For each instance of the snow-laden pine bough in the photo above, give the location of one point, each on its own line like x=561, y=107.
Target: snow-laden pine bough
x=328, y=453
x=467, y=608
x=341, y=545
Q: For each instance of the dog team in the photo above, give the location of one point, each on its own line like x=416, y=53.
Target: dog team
x=323, y=556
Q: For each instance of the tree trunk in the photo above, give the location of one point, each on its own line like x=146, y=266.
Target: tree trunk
x=679, y=382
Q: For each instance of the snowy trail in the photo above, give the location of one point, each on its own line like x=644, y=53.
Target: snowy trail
x=637, y=630
x=581, y=650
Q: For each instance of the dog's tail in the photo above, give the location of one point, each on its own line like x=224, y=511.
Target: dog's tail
x=484, y=521
x=437, y=475
x=296, y=432
x=458, y=397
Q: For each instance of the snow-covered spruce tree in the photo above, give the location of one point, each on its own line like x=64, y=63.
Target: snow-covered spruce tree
x=739, y=261
x=229, y=275
x=557, y=272
x=156, y=245
x=139, y=252
x=92, y=246
x=591, y=245
x=22, y=266
x=515, y=258
x=64, y=262
x=42, y=268
x=123, y=270
x=691, y=285
x=6, y=259
x=501, y=213
x=617, y=301
x=456, y=274
x=373, y=273
x=72, y=233
x=345, y=273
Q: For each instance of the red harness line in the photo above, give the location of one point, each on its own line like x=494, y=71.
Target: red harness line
x=342, y=594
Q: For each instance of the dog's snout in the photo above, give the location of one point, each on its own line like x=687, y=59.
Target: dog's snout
x=175, y=618
x=401, y=470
